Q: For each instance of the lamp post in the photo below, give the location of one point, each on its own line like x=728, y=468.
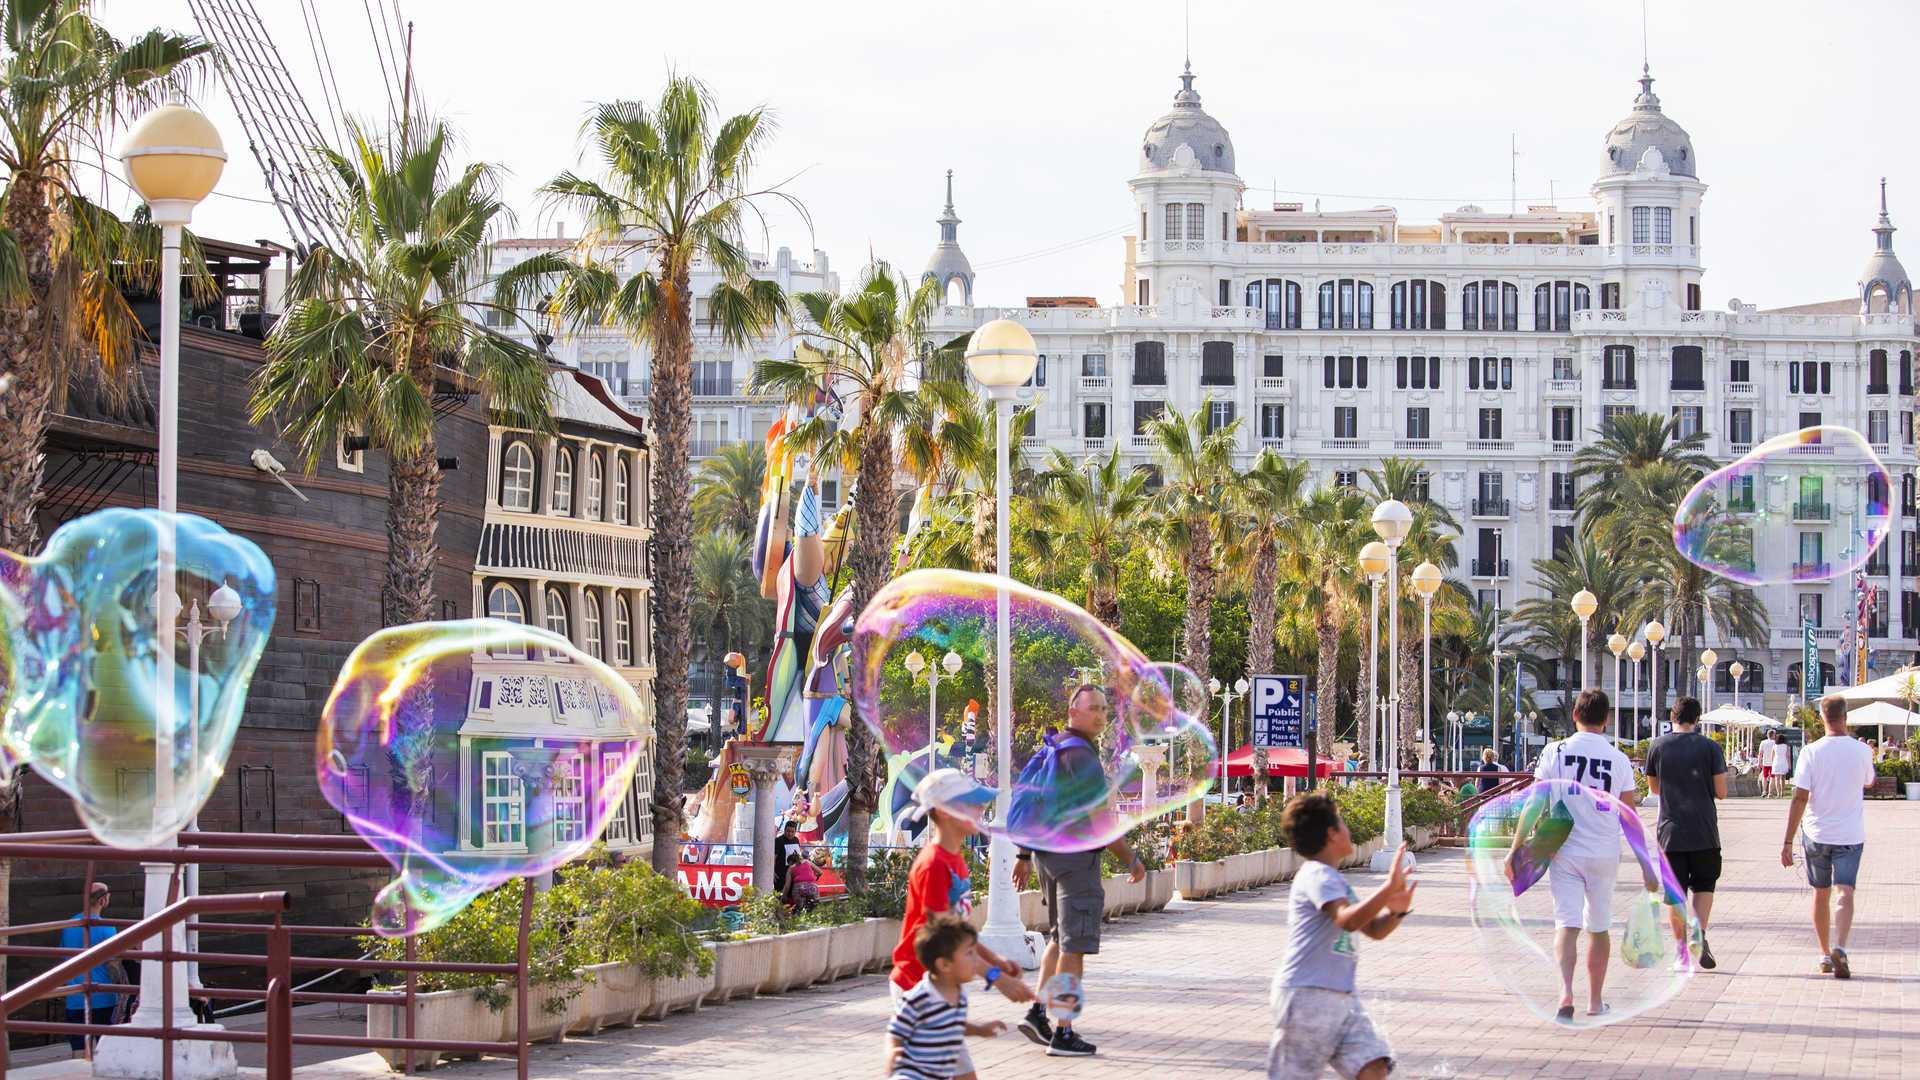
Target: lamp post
x=1736, y=669
x=1426, y=581
x=224, y=606
x=1616, y=644
x=1227, y=696
x=1635, y=652
x=1000, y=357
x=1374, y=558
x=1584, y=604
x=173, y=159
x=1452, y=757
x=1497, y=657
x=1708, y=659
x=916, y=664
x=1656, y=633
x=1391, y=522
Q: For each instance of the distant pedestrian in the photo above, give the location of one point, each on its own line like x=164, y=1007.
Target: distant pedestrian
x=1829, y=789
x=1776, y=764
x=99, y=1006
x=1489, y=763
x=802, y=890
x=1688, y=771
x=784, y=844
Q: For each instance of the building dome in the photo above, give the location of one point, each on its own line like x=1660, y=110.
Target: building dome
x=948, y=264
x=1884, y=285
x=1647, y=128
x=1187, y=124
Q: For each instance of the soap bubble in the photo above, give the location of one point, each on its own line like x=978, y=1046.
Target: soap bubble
x=1648, y=964
x=1762, y=520
x=1064, y=997
x=93, y=699
x=428, y=746
x=1055, y=646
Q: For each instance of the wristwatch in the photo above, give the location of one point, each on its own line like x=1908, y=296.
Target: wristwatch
x=993, y=973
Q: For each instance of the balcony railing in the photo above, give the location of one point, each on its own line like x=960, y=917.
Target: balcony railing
x=1618, y=384
x=1486, y=506
x=1416, y=444
x=1563, y=386
x=1812, y=571
x=1561, y=504
x=1812, y=510
x=1343, y=444
x=1876, y=568
x=1739, y=448
x=1143, y=442
x=1274, y=384
x=1740, y=389
x=1489, y=444
x=1687, y=384
x=1910, y=567
x=1485, y=568
x=1877, y=388
x=1273, y=442
x=1562, y=446
x=1096, y=383
x=1094, y=443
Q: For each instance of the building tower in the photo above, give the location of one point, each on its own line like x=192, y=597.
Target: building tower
x=1648, y=198
x=1188, y=196
x=1884, y=286
x=948, y=265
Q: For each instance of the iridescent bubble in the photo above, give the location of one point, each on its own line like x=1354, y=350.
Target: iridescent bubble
x=1055, y=647
x=472, y=752
x=1651, y=930
x=132, y=717
x=1807, y=506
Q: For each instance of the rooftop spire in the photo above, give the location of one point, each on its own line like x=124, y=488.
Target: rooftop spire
x=949, y=191
x=1646, y=100
x=1883, y=230
x=948, y=220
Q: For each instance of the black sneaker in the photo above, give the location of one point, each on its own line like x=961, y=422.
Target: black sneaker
x=1068, y=1044
x=1035, y=1027
x=1707, y=962
x=1840, y=968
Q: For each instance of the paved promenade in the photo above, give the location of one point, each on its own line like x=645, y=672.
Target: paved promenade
x=1183, y=994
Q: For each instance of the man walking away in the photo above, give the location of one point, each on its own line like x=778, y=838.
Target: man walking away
x=1830, y=786
x=1688, y=771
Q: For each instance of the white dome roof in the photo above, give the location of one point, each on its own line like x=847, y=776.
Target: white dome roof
x=1646, y=127
x=1187, y=124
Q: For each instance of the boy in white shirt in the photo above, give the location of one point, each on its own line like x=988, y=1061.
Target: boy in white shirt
x=1830, y=788
x=1581, y=875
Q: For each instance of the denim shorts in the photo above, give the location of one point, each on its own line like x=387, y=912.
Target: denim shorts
x=1832, y=864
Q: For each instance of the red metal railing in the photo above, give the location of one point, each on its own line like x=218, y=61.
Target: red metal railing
x=291, y=852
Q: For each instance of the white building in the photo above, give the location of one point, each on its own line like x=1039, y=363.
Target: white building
x=1490, y=345
x=722, y=413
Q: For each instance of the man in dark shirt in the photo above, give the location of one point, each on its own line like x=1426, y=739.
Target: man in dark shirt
x=1688, y=771
x=788, y=840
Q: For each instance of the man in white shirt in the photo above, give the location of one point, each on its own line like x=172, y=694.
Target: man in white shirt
x=1830, y=789
x=1582, y=872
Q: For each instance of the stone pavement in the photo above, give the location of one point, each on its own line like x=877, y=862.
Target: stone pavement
x=1183, y=994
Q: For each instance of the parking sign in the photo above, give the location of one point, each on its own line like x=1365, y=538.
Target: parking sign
x=1279, y=703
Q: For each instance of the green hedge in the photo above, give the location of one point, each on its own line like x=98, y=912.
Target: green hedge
x=1235, y=830
x=1903, y=772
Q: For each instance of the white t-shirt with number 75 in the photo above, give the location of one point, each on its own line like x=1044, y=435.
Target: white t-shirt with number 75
x=1592, y=761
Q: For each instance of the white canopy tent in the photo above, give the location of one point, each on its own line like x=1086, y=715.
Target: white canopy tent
x=1743, y=726
x=1900, y=689
x=1882, y=715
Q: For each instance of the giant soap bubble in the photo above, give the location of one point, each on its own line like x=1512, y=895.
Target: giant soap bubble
x=102, y=698
x=1764, y=519
x=1155, y=753
x=1650, y=954
x=472, y=752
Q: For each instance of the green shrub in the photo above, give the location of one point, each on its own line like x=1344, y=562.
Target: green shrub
x=1426, y=807
x=1902, y=772
x=1364, y=808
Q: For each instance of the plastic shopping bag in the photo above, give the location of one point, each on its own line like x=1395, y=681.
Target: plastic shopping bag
x=1645, y=942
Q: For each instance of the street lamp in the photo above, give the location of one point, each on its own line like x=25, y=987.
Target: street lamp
x=224, y=606
x=1708, y=659
x=1498, y=656
x=1584, y=604
x=917, y=664
x=1374, y=558
x=1001, y=357
x=1533, y=726
x=1453, y=738
x=1426, y=582
x=1616, y=644
x=173, y=159
x=1391, y=523
x=1227, y=696
x=1656, y=633
x=1636, y=652
x=1736, y=669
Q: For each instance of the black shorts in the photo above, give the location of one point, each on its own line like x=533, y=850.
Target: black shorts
x=1697, y=871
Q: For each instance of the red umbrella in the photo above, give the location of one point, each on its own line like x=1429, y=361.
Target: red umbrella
x=1280, y=762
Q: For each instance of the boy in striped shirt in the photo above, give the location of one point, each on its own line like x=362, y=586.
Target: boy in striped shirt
x=928, y=1034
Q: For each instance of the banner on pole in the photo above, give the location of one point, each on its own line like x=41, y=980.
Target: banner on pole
x=1279, y=709
x=1810, y=687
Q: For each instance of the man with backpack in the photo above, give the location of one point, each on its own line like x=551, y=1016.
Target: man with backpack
x=1071, y=880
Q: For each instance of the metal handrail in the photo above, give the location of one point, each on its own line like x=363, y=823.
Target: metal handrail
x=279, y=1035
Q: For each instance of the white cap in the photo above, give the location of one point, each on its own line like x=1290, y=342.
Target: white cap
x=950, y=790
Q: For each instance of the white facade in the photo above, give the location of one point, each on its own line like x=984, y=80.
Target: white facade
x=722, y=414
x=1344, y=337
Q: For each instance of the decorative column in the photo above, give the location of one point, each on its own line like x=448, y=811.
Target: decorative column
x=536, y=767
x=765, y=763
x=1152, y=757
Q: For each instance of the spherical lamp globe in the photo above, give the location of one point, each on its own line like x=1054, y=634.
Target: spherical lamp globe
x=1427, y=579
x=1584, y=604
x=1001, y=356
x=1373, y=558
x=1391, y=520
x=174, y=157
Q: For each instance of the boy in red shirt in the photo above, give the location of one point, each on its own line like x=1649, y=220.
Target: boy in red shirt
x=938, y=882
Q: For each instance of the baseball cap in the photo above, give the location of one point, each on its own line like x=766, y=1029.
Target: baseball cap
x=950, y=790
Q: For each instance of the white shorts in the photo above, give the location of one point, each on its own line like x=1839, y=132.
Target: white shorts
x=1582, y=890
x=963, y=1061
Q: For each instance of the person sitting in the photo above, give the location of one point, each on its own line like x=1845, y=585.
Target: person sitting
x=803, y=884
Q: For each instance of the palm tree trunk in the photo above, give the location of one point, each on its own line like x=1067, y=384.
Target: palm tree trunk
x=1409, y=701
x=872, y=544
x=1197, y=634
x=413, y=512
x=1325, y=680
x=1261, y=607
x=26, y=358
x=671, y=409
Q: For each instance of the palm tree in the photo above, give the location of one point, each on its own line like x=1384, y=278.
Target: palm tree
x=1096, y=505
x=1552, y=630
x=1430, y=538
x=1198, y=465
x=727, y=608
x=860, y=349
x=1628, y=444
x=675, y=190
x=1266, y=497
x=373, y=328
x=1317, y=560
x=63, y=260
x=727, y=492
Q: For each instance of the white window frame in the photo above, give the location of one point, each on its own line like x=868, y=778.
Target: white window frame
x=503, y=820
x=519, y=613
x=563, y=481
x=516, y=477
x=1642, y=224
x=1663, y=224
x=596, y=487
x=569, y=798
x=622, y=631
x=1176, y=216
x=619, y=462
x=620, y=822
x=590, y=637
x=556, y=619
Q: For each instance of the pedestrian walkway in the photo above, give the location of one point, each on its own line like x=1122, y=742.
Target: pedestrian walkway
x=1183, y=994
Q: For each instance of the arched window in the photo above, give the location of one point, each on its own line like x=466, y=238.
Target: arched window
x=1279, y=298
x=516, y=477
x=1490, y=305
x=557, y=613
x=620, y=487
x=503, y=602
x=563, y=482
x=1417, y=305
x=622, y=631
x=596, y=483
x=590, y=624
